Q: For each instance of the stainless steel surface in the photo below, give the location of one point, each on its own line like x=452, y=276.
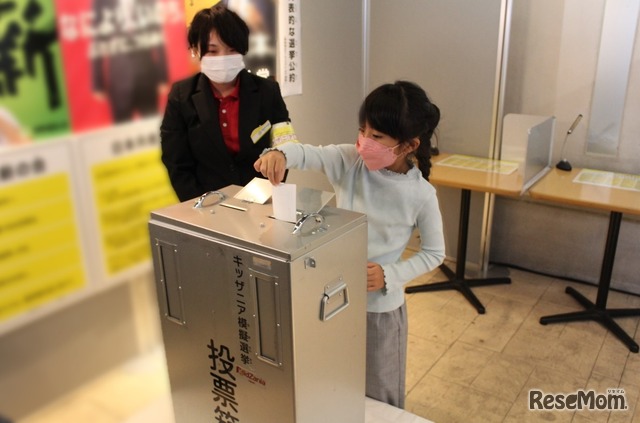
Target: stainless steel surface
x=249, y=225
x=259, y=324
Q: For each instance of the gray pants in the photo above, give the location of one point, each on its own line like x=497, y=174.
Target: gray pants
x=387, y=356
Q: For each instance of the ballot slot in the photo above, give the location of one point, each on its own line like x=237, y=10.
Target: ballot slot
x=266, y=295
x=236, y=204
x=170, y=280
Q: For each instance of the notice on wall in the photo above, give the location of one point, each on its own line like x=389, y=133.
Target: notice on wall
x=126, y=181
x=290, y=47
x=41, y=256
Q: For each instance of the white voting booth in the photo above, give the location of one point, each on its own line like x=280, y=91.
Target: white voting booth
x=528, y=140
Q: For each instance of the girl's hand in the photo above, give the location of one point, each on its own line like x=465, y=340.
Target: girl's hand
x=272, y=165
x=375, y=277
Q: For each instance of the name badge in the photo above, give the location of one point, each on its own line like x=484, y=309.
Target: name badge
x=259, y=132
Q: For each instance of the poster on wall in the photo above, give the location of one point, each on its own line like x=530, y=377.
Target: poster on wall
x=41, y=254
x=191, y=7
x=260, y=16
x=33, y=102
x=120, y=57
x=123, y=181
x=289, y=30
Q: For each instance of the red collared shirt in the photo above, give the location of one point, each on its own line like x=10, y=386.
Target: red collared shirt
x=228, y=116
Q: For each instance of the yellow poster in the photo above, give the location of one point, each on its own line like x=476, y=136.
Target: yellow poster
x=126, y=191
x=123, y=179
x=40, y=253
x=191, y=7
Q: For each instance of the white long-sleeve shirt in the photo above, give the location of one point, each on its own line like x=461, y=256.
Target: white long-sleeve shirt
x=394, y=204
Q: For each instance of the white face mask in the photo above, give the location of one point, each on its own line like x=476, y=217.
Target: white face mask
x=222, y=69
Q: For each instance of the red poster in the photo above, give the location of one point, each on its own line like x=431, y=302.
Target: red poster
x=120, y=57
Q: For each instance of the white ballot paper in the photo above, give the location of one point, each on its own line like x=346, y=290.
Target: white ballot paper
x=284, y=202
x=256, y=191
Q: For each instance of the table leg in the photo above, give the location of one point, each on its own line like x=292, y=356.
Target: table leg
x=598, y=311
x=457, y=280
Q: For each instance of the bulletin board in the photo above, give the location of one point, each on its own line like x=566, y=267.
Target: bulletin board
x=76, y=198
x=123, y=180
x=42, y=257
x=73, y=214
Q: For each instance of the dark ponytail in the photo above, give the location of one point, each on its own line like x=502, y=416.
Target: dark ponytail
x=423, y=153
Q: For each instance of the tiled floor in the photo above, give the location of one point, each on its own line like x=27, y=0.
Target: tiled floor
x=462, y=367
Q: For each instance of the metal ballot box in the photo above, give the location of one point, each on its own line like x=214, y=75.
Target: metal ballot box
x=261, y=325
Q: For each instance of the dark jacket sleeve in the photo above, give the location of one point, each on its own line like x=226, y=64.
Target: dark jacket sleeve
x=280, y=112
x=176, y=151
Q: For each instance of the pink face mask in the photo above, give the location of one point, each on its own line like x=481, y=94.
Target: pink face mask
x=375, y=155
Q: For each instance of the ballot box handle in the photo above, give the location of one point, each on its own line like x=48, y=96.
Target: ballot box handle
x=200, y=202
x=314, y=217
x=334, y=300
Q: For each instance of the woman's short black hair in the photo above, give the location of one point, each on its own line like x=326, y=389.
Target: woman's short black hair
x=231, y=29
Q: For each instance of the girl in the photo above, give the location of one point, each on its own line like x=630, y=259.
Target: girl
x=383, y=175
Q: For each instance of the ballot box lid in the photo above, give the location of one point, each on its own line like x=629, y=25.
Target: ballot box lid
x=252, y=226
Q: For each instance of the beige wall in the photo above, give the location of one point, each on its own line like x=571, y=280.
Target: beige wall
x=552, y=69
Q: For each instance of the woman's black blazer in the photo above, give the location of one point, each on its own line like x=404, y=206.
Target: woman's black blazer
x=193, y=149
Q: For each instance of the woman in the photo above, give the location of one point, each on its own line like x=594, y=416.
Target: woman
x=217, y=122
